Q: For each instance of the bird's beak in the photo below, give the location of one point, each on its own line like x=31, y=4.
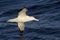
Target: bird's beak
x=37, y=19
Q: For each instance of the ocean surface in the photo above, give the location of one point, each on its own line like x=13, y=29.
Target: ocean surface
x=47, y=11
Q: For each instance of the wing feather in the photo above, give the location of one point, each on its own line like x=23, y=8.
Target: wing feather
x=23, y=12
x=21, y=26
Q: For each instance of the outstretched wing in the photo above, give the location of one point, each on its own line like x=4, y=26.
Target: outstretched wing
x=21, y=26
x=23, y=11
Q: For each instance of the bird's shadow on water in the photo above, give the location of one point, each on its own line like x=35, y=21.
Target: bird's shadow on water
x=22, y=37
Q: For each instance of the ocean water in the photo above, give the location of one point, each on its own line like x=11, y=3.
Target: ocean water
x=47, y=11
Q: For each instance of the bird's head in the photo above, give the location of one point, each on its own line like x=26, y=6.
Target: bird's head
x=33, y=18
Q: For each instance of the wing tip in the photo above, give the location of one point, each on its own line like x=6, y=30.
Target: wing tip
x=25, y=8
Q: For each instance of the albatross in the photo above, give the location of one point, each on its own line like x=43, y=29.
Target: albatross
x=21, y=18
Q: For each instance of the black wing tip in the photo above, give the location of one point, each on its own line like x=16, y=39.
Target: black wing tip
x=24, y=7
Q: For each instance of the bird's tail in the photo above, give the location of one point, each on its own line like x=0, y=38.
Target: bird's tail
x=12, y=20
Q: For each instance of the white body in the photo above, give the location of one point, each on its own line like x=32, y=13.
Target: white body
x=22, y=17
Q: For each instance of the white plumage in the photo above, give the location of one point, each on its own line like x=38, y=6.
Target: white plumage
x=22, y=17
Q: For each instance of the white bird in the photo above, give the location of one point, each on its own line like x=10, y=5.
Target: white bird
x=22, y=17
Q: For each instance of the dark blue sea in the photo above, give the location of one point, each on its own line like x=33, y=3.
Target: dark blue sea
x=47, y=11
